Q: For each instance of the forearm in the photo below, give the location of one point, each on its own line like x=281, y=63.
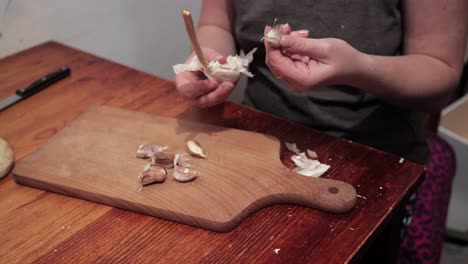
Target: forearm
x=217, y=38
x=417, y=81
x=215, y=26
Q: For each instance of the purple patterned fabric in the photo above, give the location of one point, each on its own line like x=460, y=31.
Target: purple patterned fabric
x=423, y=239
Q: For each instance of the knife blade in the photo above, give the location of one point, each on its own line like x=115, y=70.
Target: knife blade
x=35, y=87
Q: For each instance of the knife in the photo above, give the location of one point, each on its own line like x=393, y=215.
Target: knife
x=35, y=87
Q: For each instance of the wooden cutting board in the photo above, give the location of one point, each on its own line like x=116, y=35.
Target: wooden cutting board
x=93, y=158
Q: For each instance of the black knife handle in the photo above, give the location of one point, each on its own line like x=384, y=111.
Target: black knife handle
x=44, y=82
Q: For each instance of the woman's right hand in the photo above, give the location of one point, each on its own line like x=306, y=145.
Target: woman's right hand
x=200, y=90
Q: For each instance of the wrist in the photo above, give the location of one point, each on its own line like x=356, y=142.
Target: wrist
x=362, y=72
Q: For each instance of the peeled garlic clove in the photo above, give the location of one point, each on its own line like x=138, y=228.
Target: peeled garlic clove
x=195, y=149
x=145, y=151
x=152, y=174
x=184, y=174
x=164, y=159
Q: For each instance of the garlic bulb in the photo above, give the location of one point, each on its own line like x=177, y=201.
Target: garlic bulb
x=229, y=71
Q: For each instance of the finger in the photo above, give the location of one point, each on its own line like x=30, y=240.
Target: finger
x=297, y=57
x=221, y=59
x=214, y=56
x=210, y=55
x=285, y=28
x=313, y=48
x=304, y=33
x=216, y=96
x=192, y=89
x=274, y=58
x=296, y=73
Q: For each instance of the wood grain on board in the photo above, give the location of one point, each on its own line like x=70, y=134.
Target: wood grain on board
x=94, y=158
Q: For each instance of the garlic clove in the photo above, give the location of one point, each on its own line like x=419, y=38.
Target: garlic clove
x=182, y=169
x=164, y=159
x=195, y=149
x=152, y=174
x=184, y=174
x=273, y=38
x=181, y=160
x=145, y=151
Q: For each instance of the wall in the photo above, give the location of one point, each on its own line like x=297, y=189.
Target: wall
x=145, y=34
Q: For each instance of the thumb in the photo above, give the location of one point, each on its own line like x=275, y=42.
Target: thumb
x=312, y=48
x=221, y=59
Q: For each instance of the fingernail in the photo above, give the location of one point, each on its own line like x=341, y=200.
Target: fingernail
x=303, y=31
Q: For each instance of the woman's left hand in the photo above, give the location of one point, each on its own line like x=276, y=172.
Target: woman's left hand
x=331, y=61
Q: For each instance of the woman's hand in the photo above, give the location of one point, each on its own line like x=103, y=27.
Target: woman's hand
x=305, y=63
x=200, y=90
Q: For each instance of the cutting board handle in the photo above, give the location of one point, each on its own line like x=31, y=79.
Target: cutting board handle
x=319, y=193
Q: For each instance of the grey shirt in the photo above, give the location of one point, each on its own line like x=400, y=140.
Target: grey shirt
x=372, y=27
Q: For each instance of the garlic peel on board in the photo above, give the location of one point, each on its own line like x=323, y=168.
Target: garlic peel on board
x=292, y=147
x=306, y=166
x=229, y=71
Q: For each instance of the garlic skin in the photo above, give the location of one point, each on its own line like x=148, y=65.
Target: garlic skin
x=229, y=71
x=292, y=147
x=306, y=166
x=312, y=154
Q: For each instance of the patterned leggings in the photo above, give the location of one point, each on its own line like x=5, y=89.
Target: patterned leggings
x=426, y=212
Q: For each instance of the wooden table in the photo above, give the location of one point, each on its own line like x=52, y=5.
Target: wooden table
x=45, y=227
